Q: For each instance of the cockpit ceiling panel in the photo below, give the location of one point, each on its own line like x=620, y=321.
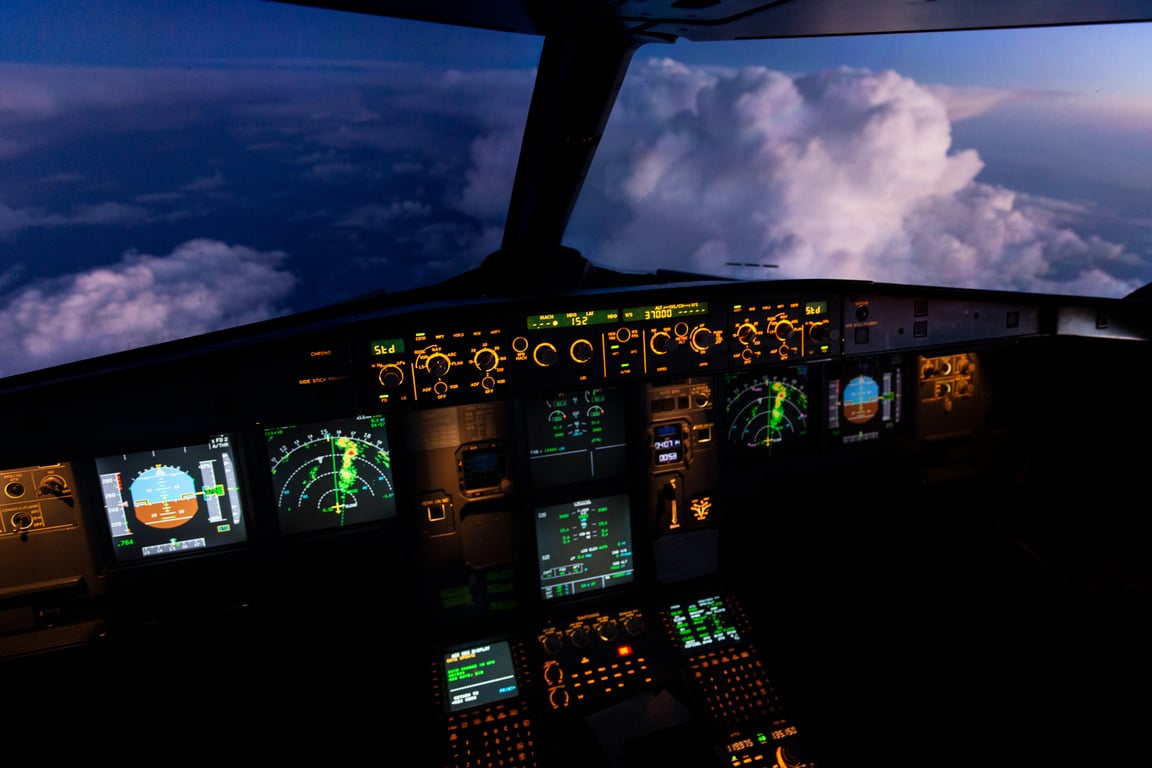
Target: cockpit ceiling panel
x=713, y=20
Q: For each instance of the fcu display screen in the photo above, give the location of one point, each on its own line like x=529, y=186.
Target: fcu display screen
x=576, y=436
x=331, y=474
x=479, y=675
x=584, y=546
x=172, y=501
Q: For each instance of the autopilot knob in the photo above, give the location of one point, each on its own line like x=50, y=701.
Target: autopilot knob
x=821, y=331
x=634, y=626
x=746, y=333
x=784, y=330
x=486, y=359
x=702, y=339
x=391, y=376
x=661, y=343
x=545, y=354
x=582, y=350
x=437, y=364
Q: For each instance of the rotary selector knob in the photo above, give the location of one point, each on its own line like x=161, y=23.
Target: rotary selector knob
x=607, y=630
x=661, y=342
x=634, y=626
x=821, y=331
x=702, y=339
x=746, y=333
x=391, y=376
x=783, y=330
x=558, y=698
x=437, y=364
x=553, y=642
x=486, y=359
x=545, y=354
x=582, y=350
x=581, y=637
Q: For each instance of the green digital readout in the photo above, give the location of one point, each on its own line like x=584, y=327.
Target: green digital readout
x=387, y=347
x=666, y=311
x=573, y=319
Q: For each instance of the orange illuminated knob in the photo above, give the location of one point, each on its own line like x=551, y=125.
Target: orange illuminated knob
x=702, y=339
x=661, y=343
x=746, y=333
x=553, y=642
x=582, y=350
x=485, y=359
x=391, y=376
x=545, y=355
x=783, y=330
x=581, y=637
x=607, y=630
x=437, y=364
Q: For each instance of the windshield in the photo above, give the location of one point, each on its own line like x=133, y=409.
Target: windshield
x=174, y=170
x=1001, y=159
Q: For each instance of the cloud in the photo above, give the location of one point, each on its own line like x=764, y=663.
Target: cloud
x=845, y=173
x=99, y=214
x=201, y=286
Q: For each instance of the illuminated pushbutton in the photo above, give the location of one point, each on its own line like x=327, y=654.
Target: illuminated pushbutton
x=582, y=350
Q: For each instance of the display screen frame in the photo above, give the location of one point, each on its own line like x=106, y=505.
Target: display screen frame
x=490, y=658
x=577, y=436
x=199, y=482
x=573, y=563
x=320, y=470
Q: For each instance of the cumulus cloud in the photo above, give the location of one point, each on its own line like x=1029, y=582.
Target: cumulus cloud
x=201, y=286
x=845, y=173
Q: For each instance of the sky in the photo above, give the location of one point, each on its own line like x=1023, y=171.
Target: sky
x=172, y=168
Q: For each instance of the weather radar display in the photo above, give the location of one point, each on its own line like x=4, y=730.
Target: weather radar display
x=331, y=474
x=172, y=501
x=768, y=410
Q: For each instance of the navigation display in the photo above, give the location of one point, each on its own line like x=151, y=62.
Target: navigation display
x=479, y=675
x=172, y=501
x=584, y=546
x=576, y=436
x=331, y=474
